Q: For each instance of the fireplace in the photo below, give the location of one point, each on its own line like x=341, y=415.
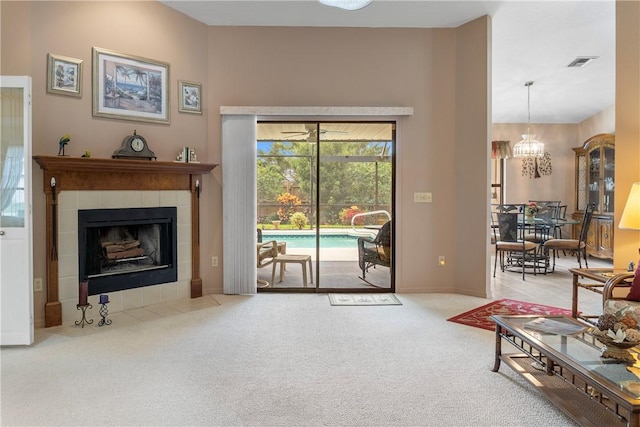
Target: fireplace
x=122, y=249
x=78, y=183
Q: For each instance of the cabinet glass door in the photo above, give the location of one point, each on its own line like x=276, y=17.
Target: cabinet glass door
x=594, y=179
x=16, y=260
x=608, y=180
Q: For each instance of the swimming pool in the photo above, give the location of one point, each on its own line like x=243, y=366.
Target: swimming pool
x=308, y=241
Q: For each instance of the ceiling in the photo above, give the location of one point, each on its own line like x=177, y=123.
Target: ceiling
x=532, y=41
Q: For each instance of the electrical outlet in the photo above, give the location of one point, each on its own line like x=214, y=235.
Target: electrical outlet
x=214, y=261
x=441, y=261
x=422, y=197
x=37, y=284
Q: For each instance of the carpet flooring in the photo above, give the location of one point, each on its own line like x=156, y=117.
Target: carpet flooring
x=479, y=316
x=272, y=360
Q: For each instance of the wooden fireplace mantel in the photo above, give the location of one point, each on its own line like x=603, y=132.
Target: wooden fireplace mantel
x=62, y=173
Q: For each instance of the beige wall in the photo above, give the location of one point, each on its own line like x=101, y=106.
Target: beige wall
x=427, y=69
x=31, y=30
x=423, y=69
x=431, y=70
x=558, y=140
x=627, y=123
x=603, y=122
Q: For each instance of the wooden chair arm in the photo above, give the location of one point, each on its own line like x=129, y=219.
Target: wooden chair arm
x=616, y=282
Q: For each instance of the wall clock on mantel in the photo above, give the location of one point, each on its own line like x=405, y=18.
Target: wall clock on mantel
x=134, y=147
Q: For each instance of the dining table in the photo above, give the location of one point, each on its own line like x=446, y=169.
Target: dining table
x=540, y=229
x=545, y=227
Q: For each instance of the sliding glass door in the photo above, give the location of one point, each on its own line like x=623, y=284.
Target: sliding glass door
x=325, y=191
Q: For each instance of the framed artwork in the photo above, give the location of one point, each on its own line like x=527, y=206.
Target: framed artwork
x=190, y=97
x=130, y=87
x=64, y=75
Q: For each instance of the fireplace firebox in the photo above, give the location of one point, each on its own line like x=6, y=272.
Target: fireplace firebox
x=122, y=249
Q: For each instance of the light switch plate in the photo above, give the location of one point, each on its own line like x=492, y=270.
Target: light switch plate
x=422, y=197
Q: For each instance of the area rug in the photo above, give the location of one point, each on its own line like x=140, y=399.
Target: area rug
x=364, y=299
x=479, y=317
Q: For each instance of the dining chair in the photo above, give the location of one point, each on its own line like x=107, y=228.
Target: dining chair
x=506, y=221
x=575, y=246
x=562, y=216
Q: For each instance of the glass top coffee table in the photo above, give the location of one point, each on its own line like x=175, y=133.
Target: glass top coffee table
x=558, y=356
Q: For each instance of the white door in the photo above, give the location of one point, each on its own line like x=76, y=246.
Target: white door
x=16, y=254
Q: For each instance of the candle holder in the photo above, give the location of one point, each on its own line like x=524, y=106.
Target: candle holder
x=104, y=312
x=84, y=319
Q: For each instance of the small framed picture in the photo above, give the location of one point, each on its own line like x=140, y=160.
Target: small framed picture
x=190, y=97
x=64, y=75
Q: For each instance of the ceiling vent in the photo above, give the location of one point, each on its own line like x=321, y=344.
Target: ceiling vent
x=581, y=61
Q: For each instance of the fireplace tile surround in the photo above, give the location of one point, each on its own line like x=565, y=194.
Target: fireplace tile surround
x=72, y=184
x=70, y=202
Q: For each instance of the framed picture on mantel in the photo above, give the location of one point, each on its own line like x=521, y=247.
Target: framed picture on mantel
x=130, y=87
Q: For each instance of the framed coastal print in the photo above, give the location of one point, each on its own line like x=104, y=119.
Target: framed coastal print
x=190, y=97
x=130, y=87
x=64, y=75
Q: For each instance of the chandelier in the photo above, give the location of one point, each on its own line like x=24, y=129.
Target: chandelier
x=529, y=146
x=347, y=4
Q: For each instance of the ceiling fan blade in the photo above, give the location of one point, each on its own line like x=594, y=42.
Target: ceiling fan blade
x=332, y=131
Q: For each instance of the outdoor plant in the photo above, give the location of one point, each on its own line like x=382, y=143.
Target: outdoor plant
x=347, y=213
x=289, y=200
x=298, y=219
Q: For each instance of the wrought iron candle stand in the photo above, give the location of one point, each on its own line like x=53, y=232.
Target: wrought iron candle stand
x=84, y=319
x=104, y=312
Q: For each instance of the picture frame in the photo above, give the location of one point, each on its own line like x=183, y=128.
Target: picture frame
x=130, y=87
x=190, y=97
x=64, y=75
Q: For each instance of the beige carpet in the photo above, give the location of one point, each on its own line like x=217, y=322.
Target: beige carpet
x=272, y=360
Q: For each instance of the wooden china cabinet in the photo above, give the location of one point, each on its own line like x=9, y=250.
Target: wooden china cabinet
x=595, y=183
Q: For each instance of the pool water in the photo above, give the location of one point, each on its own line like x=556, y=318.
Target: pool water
x=308, y=241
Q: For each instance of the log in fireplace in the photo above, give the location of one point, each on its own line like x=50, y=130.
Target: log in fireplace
x=122, y=249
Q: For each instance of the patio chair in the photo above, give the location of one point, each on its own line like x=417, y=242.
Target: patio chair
x=375, y=251
x=575, y=246
x=266, y=253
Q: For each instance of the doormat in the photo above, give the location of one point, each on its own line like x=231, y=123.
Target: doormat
x=479, y=317
x=364, y=299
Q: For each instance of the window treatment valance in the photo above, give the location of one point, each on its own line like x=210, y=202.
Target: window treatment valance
x=501, y=150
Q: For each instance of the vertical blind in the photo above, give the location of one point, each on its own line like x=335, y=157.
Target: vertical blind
x=239, y=150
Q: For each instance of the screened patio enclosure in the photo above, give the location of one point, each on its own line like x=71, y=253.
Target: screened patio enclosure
x=322, y=186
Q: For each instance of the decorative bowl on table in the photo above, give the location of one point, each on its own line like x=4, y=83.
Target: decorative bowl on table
x=619, y=333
